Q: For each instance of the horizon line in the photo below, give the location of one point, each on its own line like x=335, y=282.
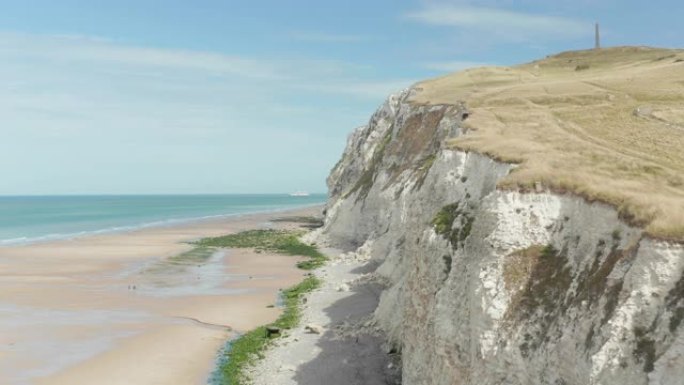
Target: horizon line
x=145, y=194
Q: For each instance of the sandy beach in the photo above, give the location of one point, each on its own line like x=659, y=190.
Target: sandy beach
x=113, y=309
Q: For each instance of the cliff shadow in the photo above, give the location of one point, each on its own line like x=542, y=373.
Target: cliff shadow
x=351, y=351
x=368, y=268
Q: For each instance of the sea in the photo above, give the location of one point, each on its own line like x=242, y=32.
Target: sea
x=30, y=219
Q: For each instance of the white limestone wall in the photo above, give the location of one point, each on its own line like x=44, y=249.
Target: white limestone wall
x=603, y=308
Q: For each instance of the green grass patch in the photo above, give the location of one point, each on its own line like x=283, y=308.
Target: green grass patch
x=178, y=263
x=250, y=346
x=244, y=350
x=277, y=241
x=292, y=296
x=308, y=222
x=195, y=256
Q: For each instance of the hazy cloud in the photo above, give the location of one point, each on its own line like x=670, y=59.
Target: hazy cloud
x=83, y=105
x=453, y=66
x=376, y=90
x=119, y=60
x=503, y=23
x=322, y=37
x=71, y=48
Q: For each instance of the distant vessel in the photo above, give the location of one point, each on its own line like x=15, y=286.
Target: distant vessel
x=299, y=194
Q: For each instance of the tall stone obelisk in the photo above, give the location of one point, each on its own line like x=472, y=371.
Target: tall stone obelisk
x=598, y=37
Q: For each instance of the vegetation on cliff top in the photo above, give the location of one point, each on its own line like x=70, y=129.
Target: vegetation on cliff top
x=612, y=132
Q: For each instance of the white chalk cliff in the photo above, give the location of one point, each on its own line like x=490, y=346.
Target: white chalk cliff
x=500, y=287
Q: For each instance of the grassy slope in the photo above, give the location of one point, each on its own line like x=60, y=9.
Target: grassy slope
x=607, y=125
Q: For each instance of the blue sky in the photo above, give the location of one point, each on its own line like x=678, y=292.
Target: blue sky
x=142, y=96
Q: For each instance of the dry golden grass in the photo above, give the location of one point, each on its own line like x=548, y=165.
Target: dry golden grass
x=605, y=124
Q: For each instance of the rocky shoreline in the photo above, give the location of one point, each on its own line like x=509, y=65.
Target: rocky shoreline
x=337, y=341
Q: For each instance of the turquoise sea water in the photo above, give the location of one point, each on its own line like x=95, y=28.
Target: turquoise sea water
x=42, y=218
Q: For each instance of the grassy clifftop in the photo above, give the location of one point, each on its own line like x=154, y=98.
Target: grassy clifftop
x=605, y=124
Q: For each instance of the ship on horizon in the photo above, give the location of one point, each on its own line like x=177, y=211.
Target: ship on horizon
x=299, y=194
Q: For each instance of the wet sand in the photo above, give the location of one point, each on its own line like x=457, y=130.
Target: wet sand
x=115, y=309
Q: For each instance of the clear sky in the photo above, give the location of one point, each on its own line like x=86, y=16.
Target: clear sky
x=202, y=96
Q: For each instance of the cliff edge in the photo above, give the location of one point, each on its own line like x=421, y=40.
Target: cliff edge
x=527, y=221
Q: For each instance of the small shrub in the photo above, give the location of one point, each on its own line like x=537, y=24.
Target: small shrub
x=445, y=224
x=447, y=265
x=661, y=58
x=645, y=349
x=445, y=219
x=616, y=235
x=549, y=251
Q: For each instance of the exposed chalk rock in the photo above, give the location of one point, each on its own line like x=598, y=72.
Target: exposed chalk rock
x=499, y=287
x=343, y=287
x=314, y=329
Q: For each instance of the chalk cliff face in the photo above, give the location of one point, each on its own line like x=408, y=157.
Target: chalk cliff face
x=500, y=287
